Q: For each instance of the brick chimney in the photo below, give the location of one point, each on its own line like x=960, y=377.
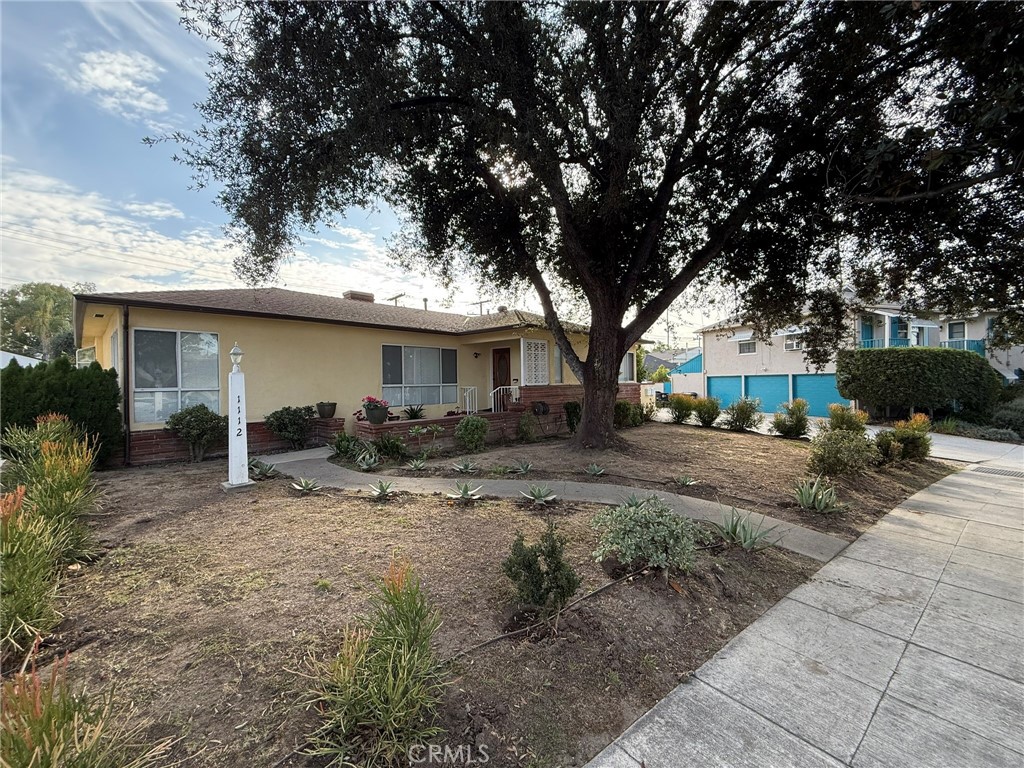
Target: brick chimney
x=358, y=296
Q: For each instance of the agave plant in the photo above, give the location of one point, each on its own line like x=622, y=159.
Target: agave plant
x=594, y=470
x=306, y=486
x=417, y=431
x=368, y=461
x=416, y=464
x=686, y=480
x=636, y=502
x=382, y=490
x=540, y=495
x=817, y=495
x=465, y=467
x=464, y=492
x=522, y=467
x=738, y=530
x=261, y=470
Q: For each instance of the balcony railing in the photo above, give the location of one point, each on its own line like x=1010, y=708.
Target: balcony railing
x=971, y=345
x=872, y=343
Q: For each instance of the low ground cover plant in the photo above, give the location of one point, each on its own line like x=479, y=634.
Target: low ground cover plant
x=682, y=407
x=200, y=428
x=707, y=410
x=378, y=696
x=1010, y=416
x=792, y=422
x=471, y=434
x=292, y=423
x=743, y=415
x=542, y=577
x=838, y=452
x=646, y=533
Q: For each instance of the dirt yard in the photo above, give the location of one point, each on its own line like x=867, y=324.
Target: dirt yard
x=204, y=606
x=749, y=471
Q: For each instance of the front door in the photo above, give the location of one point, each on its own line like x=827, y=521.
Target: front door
x=501, y=375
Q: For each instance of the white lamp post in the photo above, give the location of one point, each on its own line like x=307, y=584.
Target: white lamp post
x=238, y=447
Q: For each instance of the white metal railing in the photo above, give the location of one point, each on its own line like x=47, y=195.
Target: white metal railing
x=469, y=404
x=503, y=397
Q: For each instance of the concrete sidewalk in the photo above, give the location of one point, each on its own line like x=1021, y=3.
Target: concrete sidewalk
x=905, y=650
x=313, y=464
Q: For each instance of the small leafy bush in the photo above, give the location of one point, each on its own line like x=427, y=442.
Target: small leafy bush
x=528, y=427
x=649, y=409
x=647, y=534
x=682, y=407
x=573, y=414
x=988, y=433
x=947, y=426
x=413, y=412
x=744, y=415
x=623, y=417
x=817, y=495
x=908, y=440
x=540, y=573
x=380, y=694
x=792, y=422
x=48, y=725
x=1010, y=416
x=390, y=446
x=471, y=433
x=200, y=428
x=707, y=410
x=292, y=423
x=341, y=444
x=845, y=419
x=739, y=531
x=636, y=415
x=841, y=452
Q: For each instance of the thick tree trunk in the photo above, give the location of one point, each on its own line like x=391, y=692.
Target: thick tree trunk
x=600, y=389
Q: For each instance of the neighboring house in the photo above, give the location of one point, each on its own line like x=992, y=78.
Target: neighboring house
x=23, y=360
x=170, y=349
x=736, y=364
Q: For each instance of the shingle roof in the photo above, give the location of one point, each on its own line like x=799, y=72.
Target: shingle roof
x=295, y=305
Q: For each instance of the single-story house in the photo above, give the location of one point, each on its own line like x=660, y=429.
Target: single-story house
x=170, y=349
x=23, y=360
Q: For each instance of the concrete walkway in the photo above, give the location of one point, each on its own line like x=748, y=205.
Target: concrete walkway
x=905, y=650
x=313, y=464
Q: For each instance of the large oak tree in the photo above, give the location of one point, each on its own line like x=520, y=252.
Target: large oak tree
x=630, y=152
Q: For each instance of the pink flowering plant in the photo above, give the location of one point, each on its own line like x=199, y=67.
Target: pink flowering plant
x=371, y=403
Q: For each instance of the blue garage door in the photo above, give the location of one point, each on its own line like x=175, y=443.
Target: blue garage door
x=818, y=389
x=772, y=391
x=728, y=389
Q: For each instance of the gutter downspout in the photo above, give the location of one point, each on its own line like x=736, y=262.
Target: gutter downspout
x=124, y=383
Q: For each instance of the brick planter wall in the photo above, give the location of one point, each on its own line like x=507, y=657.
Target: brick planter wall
x=159, y=445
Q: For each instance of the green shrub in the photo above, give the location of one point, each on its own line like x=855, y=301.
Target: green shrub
x=340, y=445
x=541, y=575
x=646, y=534
x=841, y=452
x=388, y=446
x=988, y=433
x=89, y=397
x=22, y=445
x=907, y=441
x=817, y=495
x=623, y=414
x=199, y=427
x=573, y=414
x=471, y=433
x=292, y=423
x=1010, y=416
x=842, y=418
x=947, y=426
x=379, y=695
x=707, y=410
x=528, y=427
x=920, y=377
x=48, y=725
x=682, y=407
x=744, y=415
x=792, y=423
x=636, y=415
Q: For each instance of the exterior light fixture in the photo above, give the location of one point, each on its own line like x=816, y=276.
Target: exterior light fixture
x=236, y=356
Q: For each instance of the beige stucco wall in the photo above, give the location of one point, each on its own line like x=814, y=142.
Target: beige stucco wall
x=1004, y=360
x=722, y=358
x=300, y=363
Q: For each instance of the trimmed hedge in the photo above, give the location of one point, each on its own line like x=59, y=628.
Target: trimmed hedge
x=89, y=397
x=919, y=377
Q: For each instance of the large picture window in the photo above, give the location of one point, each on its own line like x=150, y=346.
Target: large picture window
x=419, y=375
x=174, y=370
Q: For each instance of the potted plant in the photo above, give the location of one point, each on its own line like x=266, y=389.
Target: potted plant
x=326, y=410
x=376, y=409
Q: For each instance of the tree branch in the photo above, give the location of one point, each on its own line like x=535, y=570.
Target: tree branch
x=937, y=191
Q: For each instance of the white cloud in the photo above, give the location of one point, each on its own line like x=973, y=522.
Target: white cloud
x=155, y=210
x=119, y=82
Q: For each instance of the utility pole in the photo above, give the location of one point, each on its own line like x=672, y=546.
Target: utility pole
x=395, y=298
x=480, y=304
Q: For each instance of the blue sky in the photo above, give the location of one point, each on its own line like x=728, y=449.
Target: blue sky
x=83, y=199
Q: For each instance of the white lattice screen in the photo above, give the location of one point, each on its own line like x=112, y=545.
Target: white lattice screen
x=535, y=361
